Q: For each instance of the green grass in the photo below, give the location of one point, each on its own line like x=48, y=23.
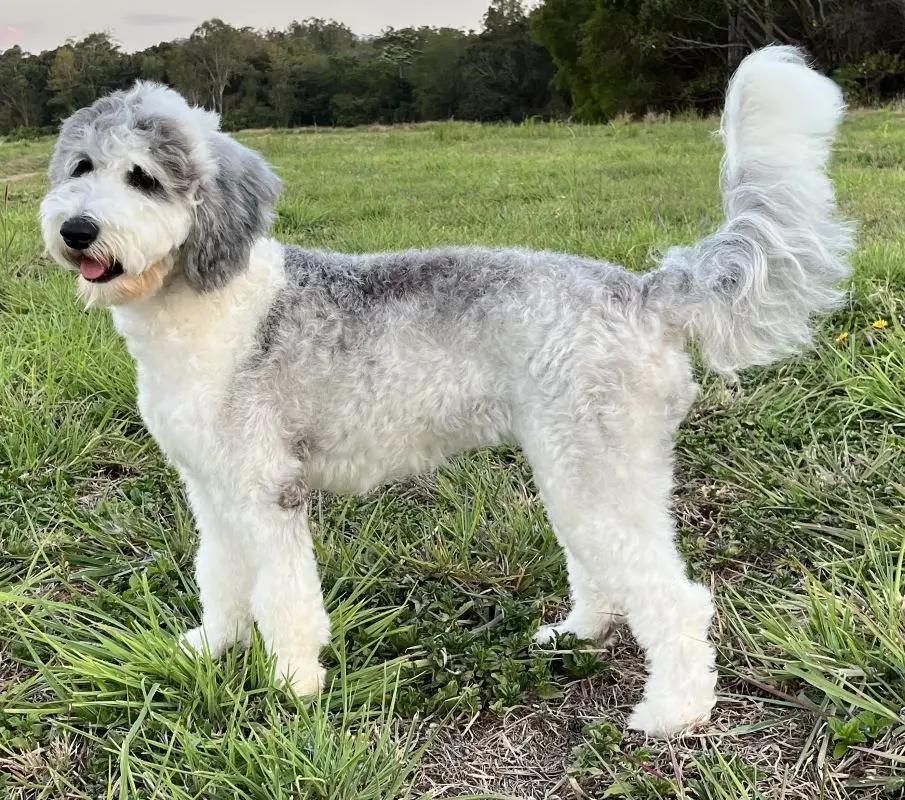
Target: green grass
x=789, y=496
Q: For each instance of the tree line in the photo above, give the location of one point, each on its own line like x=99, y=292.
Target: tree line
x=586, y=59
x=628, y=56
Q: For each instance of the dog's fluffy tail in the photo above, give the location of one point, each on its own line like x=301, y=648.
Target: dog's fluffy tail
x=747, y=292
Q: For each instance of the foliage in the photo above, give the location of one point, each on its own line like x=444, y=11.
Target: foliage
x=315, y=72
x=630, y=56
x=593, y=59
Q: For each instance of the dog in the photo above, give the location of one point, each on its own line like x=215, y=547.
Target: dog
x=266, y=371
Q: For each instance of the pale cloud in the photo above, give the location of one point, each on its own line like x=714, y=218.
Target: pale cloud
x=155, y=19
x=10, y=35
x=43, y=24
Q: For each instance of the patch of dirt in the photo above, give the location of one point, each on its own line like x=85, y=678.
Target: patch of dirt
x=525, y=754
x=22, y=176
x=11, y=672
x=33, y=772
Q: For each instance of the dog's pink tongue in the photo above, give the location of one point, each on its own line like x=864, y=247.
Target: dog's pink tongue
x=91, y=269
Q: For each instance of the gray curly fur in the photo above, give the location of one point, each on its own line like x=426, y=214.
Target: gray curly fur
x=236, y=210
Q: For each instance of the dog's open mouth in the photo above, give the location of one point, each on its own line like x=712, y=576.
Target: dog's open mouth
x=98, y=272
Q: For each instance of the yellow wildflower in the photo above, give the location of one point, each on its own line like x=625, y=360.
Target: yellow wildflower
x=880, y=323
x=842, y=337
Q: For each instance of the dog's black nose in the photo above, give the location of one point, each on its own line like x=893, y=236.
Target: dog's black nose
x=78, y=232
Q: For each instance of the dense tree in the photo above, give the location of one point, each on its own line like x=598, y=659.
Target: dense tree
x=22, y=101
x=617, y=56
x=82, y=71
x=504, y=73
x=215, y=54
x=324, y=36
x=590, y=58
x=436, y=75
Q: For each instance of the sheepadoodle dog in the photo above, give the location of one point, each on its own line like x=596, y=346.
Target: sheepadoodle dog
x=266, y=371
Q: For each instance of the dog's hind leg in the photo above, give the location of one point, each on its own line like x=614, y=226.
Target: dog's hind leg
x=606, y=482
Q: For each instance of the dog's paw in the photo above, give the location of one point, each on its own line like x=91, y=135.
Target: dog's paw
x=599, y=630
x=194, y=642
x=199, y=640
x=304, y=681
x=663, y=717
x=547, y=634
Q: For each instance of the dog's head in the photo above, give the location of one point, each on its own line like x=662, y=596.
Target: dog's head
x=142, y=184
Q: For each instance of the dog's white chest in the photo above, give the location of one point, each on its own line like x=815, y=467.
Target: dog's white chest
x=183, y=376
x=187, y=347
x=180, y=405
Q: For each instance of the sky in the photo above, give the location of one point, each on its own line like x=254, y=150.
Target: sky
x=37, y=25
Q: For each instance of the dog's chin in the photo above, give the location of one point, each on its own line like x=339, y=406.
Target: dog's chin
x=118, y=287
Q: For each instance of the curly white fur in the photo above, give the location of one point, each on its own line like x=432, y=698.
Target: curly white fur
x=750, y=289
x=267, y=371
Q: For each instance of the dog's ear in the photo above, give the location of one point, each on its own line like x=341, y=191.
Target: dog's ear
x=234, y=206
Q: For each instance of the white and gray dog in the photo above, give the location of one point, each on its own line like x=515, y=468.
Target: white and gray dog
x=266, y=371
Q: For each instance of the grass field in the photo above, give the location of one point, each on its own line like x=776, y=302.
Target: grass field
x=790, y=490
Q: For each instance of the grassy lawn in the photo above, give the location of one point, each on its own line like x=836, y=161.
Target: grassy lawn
x=789, y=493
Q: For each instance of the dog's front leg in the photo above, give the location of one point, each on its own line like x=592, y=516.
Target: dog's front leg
x=224, y=574
x=286, y=600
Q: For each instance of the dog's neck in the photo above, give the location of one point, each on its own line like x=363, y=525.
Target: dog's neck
x=179, y=322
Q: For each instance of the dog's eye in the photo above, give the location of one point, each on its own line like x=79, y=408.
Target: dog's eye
x=82, y=168
x=140, y=180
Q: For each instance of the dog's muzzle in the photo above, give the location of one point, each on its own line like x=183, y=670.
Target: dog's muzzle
x=79, y=233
